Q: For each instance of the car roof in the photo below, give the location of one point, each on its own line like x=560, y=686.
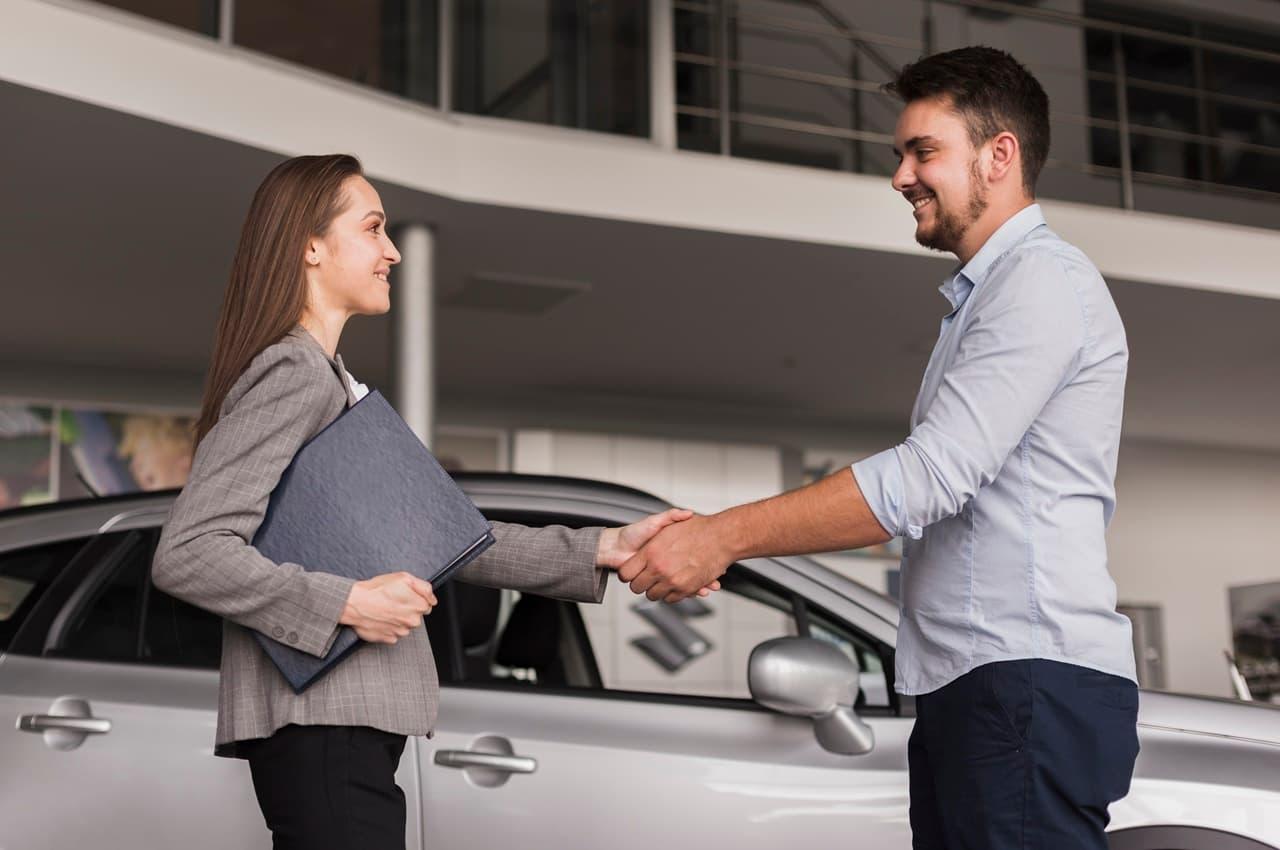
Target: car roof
x=35, y=524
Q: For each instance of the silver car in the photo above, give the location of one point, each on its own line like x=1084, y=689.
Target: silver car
x=761, y=717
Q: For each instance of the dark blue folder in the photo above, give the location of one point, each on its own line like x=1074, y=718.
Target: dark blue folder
x=365, y=497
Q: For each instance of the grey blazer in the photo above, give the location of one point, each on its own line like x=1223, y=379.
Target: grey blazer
x=287, y=395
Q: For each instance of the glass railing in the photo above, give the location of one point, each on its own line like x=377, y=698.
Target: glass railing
x=1144, y=106
x=1141, y=104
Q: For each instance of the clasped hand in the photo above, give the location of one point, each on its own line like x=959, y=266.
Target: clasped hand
x=682, y=557
x=385, y=608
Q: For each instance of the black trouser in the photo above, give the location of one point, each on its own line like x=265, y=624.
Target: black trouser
x=1021, y=754
x=329, y=787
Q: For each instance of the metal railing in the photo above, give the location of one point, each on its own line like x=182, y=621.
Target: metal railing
x=858, y=61
x=732, y=18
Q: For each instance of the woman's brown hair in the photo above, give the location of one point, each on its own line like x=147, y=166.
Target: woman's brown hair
x=267, y=291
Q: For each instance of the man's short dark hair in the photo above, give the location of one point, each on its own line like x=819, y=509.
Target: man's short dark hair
x=992, y=91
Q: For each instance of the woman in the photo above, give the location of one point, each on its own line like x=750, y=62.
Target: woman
x=313, y=252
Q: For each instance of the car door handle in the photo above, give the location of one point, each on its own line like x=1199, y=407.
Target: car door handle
x=489, y=761
x=46, y=722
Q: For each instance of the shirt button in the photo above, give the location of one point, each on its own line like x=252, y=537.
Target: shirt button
x=293, y=637
x=277, y=632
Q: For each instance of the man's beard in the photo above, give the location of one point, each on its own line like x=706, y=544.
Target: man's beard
x=950, y=227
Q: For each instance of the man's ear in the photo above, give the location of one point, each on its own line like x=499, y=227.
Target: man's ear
x=1006, y=157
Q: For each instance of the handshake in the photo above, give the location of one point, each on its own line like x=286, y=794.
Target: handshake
x=668, y=556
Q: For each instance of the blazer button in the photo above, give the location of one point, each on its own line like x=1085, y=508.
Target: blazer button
x=277, y=632
x=293, y=637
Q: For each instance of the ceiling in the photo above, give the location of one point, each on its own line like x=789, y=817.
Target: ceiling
x=116, y=235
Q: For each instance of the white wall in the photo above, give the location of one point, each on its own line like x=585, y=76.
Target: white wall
x=1191, y=522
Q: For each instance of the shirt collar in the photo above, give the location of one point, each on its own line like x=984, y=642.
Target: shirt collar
x=957, y=287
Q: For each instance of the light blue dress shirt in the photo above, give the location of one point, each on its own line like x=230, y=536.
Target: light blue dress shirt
x=1004, y=489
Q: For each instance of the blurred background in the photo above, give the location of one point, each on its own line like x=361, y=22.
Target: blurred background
x=655, y=243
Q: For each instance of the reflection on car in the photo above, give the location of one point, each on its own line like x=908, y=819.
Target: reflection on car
x=762, y=716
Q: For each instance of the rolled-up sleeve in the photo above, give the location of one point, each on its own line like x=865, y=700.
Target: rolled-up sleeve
x=1022, y=342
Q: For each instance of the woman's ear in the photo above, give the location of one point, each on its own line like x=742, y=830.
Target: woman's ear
x=314, y=252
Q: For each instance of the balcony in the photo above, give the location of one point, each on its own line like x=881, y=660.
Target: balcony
x=1149, y=112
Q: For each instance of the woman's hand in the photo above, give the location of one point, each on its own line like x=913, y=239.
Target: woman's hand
x=385, y=608
x=618, y=545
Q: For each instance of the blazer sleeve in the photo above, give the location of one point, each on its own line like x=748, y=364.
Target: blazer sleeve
x=553, y=561
x=205, y=556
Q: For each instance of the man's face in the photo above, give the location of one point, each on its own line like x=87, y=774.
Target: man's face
x=939, y=173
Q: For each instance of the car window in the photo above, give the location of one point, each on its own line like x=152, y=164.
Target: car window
x=120, y=616
x=25, y=574
x=698, y=647
x=869, y=656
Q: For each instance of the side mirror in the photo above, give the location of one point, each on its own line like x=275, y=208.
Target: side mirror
x=808, y=678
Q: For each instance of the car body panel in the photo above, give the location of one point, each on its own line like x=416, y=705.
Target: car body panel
x=711, y=769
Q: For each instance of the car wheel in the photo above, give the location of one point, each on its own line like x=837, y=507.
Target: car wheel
x=1180, y=838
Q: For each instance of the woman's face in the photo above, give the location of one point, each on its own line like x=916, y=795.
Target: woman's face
x=348, y=268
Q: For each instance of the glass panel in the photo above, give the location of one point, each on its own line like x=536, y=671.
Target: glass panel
x=1158, y=61
x=695, y=32
x=1246, y=167
x=386, y=44
x=25, y=574
x=180, y=635
x=1099, y=51
x=1241, y=76
x=872, y=673
x=564, y=62
x=695, y=133
x=1154, y=154
x=1102, y=100
x=698, y=647
x=1104, y=147
x=198, y=15
x=106, y=627
x=795, y=148
x=696, y=85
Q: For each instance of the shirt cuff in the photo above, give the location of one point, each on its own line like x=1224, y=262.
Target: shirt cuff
x=880, y=479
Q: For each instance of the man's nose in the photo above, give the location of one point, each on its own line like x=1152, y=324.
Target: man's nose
x=903, y=177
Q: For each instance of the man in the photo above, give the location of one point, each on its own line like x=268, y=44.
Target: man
x=1022, y=670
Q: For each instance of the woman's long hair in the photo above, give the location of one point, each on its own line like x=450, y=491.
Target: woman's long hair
x=267, y=292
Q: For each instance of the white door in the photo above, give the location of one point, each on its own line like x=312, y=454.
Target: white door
x=141, y=772
x=549, y=751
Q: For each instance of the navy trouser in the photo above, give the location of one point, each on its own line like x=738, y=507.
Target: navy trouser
x=1021, y=754
x=329, y=787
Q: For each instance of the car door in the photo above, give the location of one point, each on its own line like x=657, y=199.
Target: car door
x=108, y=696
x=627, y=729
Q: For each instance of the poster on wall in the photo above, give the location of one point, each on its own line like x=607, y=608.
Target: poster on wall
x=50, y=453
x=26, y=455
x=1255, y=633
x=111, y=453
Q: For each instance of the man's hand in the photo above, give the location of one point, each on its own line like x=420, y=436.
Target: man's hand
x=680, y=560
x=620, y=545
x=385, y=608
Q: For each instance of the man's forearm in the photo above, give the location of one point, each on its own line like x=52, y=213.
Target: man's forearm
x=827, y=516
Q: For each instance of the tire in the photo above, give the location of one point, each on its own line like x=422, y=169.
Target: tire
x=1180, y=838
